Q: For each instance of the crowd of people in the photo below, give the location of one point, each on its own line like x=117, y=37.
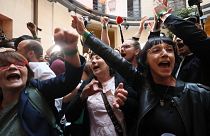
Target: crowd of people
x=161, y=89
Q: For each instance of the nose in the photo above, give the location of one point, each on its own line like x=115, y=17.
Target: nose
x=122, y=49
x=93, y=61
x=12, y=66
x=164, y=52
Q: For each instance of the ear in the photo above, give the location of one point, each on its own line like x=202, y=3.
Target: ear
x=137, y=51
x=30, y=54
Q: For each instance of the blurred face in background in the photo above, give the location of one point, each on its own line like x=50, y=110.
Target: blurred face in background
x=128, y=50
x=182, y=49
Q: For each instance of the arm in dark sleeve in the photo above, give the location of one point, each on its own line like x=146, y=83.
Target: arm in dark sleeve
x=74, y=108
x=153, y=34
x=130, y=109
x=112, y=58
x=192, y=36
x=62, y=84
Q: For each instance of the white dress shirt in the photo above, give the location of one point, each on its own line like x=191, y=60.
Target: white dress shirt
x=41, y=70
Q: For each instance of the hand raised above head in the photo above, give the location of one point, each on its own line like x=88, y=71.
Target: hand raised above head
x=142, y=23
x=78, y=24
x=104, y=20
x=67, y=40
x=161, y=8
x=143, y=19
x=31, y=26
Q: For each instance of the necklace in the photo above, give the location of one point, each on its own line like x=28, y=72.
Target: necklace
x=162, y=100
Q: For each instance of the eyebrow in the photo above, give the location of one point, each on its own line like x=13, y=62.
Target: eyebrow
x=126, y=45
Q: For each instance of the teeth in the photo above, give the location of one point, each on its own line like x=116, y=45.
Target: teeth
x=165, y=62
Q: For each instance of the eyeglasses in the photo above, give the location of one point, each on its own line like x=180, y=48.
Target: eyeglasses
x=126, y=46
x=18, y=65
x=158, y=49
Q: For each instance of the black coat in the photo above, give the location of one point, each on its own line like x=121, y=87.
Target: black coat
x=195, y=68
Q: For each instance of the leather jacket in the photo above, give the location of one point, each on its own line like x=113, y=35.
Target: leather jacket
x=193, y=104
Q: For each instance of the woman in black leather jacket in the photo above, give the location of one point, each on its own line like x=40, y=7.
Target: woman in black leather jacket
x=165, y=104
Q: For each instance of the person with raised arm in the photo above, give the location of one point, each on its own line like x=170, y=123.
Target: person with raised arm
x=25, y=102
x=166, y=105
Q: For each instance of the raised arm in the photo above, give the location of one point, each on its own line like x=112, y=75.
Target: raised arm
x=33, y=29
x=155, y=28
x=104, y=30
x=192, y=36
x=112, y=58
x=74, y=64
x=68, y=42
x=141, y=27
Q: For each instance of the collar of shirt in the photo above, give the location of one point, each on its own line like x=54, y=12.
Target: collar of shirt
x=109, y=85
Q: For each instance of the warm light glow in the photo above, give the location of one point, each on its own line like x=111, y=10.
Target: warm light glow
x=102, y=1
x=56, y=48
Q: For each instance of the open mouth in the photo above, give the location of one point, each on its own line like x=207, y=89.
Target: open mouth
x=180, y=45
x=123, y=54
x=13, y=76
x=95, y=67
x=164, y=64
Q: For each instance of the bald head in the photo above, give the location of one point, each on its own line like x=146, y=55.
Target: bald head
x=31, y=49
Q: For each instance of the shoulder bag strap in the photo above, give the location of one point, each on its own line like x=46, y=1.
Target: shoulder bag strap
x=39, y=103
x=111, y=114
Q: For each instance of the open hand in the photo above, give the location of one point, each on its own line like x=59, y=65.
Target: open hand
x=90, y=89
x=78, y=24
x=120, y=95
x=104, y=20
